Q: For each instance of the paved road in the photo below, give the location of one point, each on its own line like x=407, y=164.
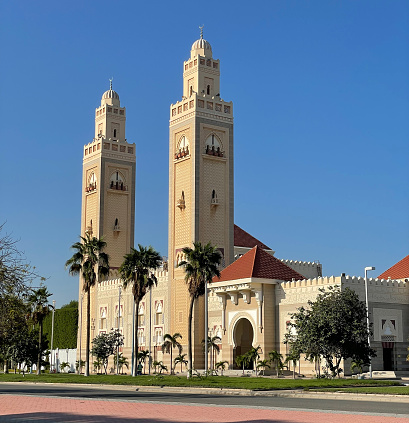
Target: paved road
x=40, y=403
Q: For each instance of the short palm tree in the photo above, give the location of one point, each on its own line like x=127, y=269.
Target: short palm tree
x=122, y=361
x=142, y=356
x=137, y=269
x=38, y=301
x=222, y=366
x=277, y=359
x=180, y=359
x=201, y=265
x=293, y=357
x=242, y=361
x=171, y=342
x=90, y=262
x=253, y=356
x=262, y=364
x=214, y=348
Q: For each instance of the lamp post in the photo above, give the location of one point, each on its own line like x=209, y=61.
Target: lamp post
x=367, y=269
x=150, y=330
x=119, y=324
x=52, y=338
x=206, y=329
x=79, y=363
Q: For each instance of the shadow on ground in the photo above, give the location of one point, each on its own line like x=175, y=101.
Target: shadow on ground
x=66, y=417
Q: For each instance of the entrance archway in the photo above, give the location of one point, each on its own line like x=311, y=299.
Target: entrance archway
x=243, y=339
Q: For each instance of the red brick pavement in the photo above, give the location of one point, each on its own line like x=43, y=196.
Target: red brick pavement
x=22, y=408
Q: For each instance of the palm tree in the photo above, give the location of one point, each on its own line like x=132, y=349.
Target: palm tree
x=221, y=365
x=137, y=269
x=122, y=361
x=171, y=341
x=142, y=356
x=180, y=359
x=262, y=364
x=201, y=265
x=91, y=263
x=38, y=301
x=214, y=348
x=277, y=359
x=242, y=361
x=293, y=357
x=253, y=355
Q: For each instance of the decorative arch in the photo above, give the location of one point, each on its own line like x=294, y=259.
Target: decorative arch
x=91, y=183
x=183, y=147
x=233, y=324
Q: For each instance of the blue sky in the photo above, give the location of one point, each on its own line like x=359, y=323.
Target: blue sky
x=321, y=104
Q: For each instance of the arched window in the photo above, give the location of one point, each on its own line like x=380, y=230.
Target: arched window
x=214, y=194
x=117, y=181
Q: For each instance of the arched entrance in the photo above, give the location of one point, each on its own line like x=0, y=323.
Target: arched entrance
x=243, y=339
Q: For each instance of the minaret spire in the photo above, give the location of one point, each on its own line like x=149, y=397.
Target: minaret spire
x=110, y=82
x=201, y=31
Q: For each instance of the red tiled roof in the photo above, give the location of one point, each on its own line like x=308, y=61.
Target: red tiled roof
x=398, y=271
x=244, y=239
x=257, y=263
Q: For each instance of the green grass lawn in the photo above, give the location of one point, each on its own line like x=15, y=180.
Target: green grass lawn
x=386, y=390
x=252, y=383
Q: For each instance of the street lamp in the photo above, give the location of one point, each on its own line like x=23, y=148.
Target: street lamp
x=79, y=363
x=206, y=329
x=52, y=337
x=367, y=269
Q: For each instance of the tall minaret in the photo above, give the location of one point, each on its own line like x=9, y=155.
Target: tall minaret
x=108, y=202
x=108, y=181
x=201, y=197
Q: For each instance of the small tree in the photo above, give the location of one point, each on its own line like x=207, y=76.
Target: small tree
x=142, y=356
x=38, y=300
x=213, y=348
x=171, y=342
x=122, y=361
x=277, y=359
x=253, y=355
x=222, y=366
x=79, y=365
x=105, y=344
x=64, y=365
x=334, y=326
x=242, y=361
x=262, y=364
x=293, y=357
x=180, y=359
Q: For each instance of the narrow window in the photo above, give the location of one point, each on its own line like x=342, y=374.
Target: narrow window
x=191, y=90
x=114, y=133
x=213, y=194
x=208, y=89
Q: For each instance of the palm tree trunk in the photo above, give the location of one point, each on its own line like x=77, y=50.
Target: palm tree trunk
x=135, y=341
x=171, y=370
x=86, y=371
x=189, y=337
x=40, y=335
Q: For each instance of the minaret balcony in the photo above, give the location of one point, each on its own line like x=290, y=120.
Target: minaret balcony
x=181, y=204
x=214, y=151
x=184, y=152
x=118, y=186
x=117, y=228
x=91, y=188
x=214, y=202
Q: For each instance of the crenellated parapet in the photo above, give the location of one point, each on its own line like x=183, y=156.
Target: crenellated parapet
x=309, y=269
x=379, y=290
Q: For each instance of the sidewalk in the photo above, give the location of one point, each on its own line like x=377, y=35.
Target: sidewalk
x=36, y=409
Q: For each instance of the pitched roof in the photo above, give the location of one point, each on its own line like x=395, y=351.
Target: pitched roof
x=400, y=270
x=257, y=263
x=244, y=239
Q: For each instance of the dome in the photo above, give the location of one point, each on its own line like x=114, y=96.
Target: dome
x=201, y=44
x=110, y=94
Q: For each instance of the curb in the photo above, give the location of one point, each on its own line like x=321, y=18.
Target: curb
x=238, y=392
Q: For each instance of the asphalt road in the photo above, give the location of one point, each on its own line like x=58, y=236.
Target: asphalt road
x=130, y=394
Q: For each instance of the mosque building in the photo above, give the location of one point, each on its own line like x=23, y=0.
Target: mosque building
x=250, y=304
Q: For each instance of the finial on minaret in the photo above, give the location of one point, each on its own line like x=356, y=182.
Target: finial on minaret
x=110, y=82
x=201, y=31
